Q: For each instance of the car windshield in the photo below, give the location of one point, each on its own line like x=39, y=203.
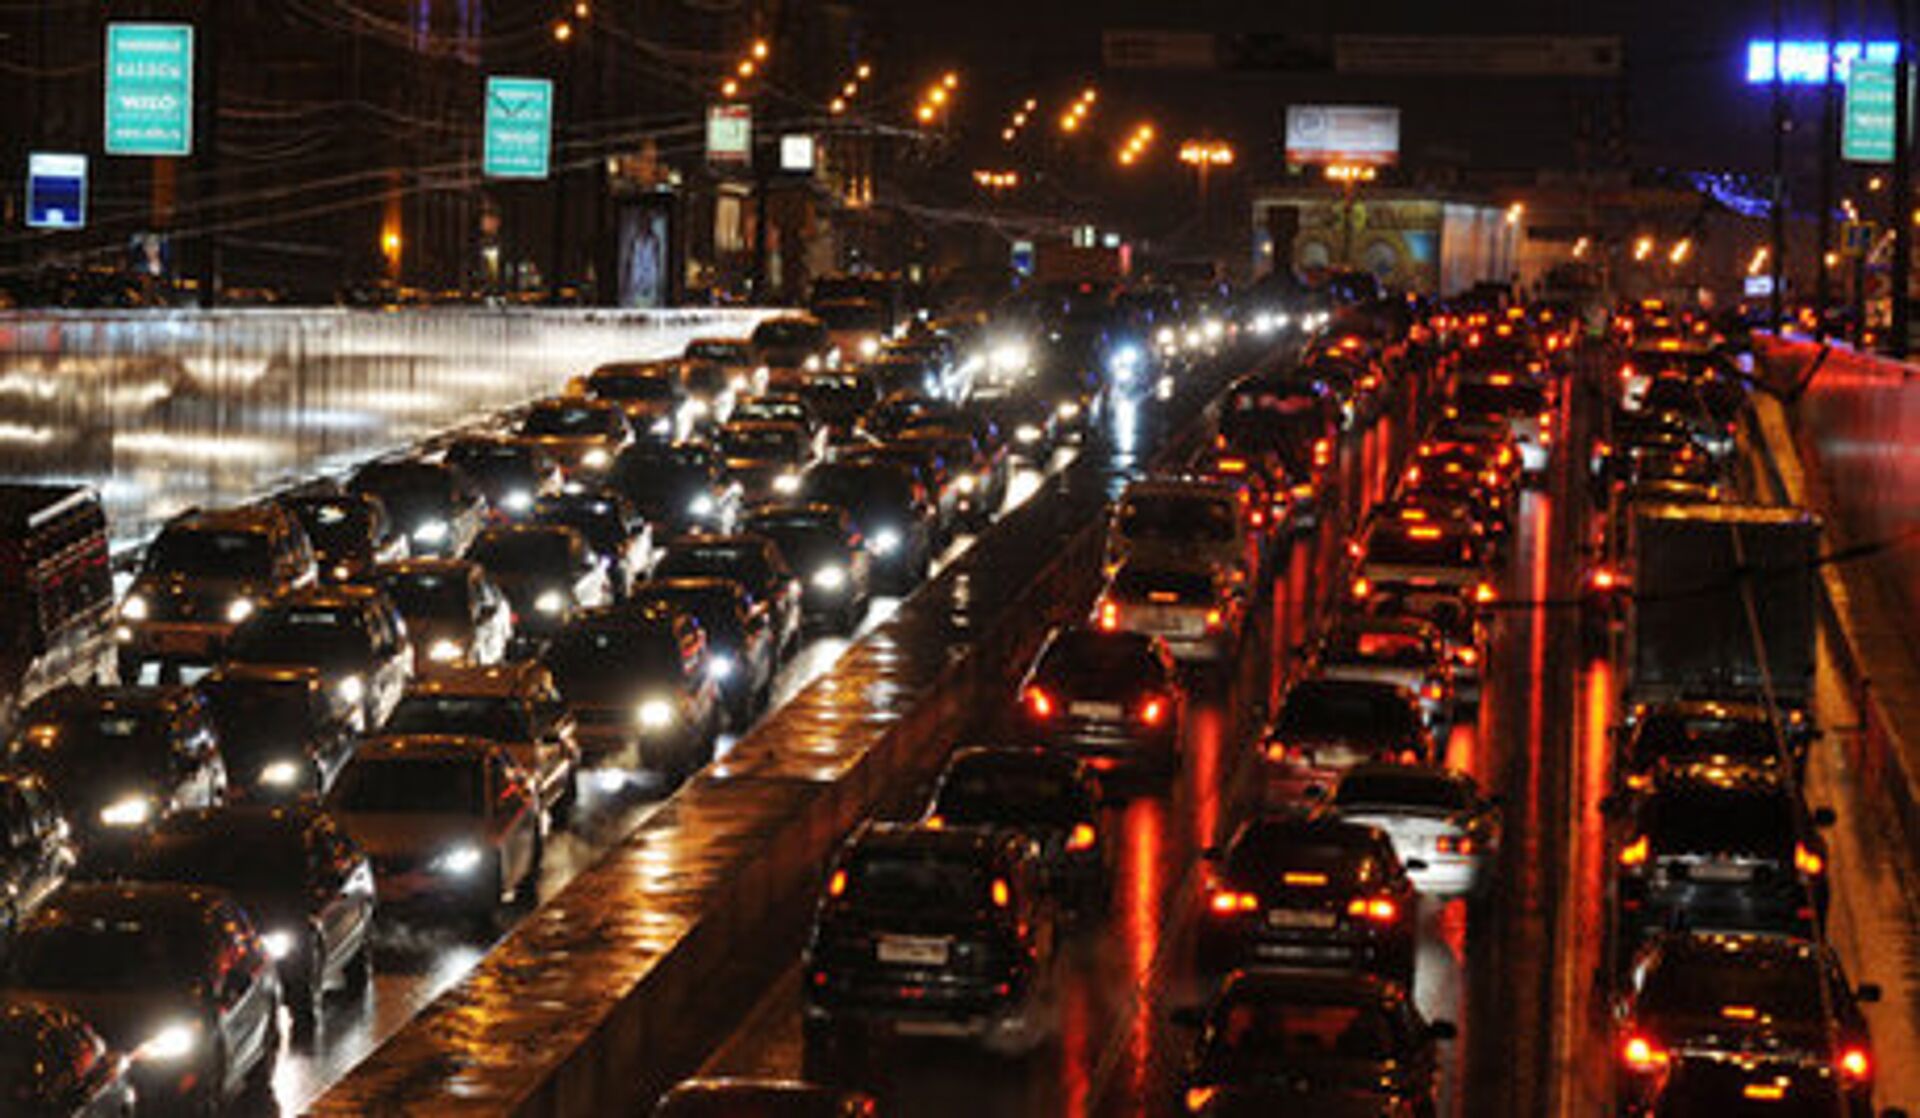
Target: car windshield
x=413, y=786
x=410, y=492
x=1719, y=821
x=860, y=487
x=716, y=608
x=723, y=352
x=1409, y=789
x=1514, y=397
x=493, y=717
x=659, y=486
x=600, y=526
x=438, y=595
x=927, y=882
x=613, y=652
x=1415, y=547
x=1178, y=519
x=788, y=332
x=336, y=526
x=84, y=752
x=1252, y=1036
x=564, y=421
x=255, y=860
x=1010, y=793
x=1676, y=737
x=657, y=387
x=522, y=552
x=1782, y=987
x=747, y=565
x=785, y=444
x=1403, y=649
x=1163, y=587
x=1081, y=656
x=1328, y=711
x=301, y=635
x=109, y=954
x=198, y=553
x=252, y=716
x=852, y=315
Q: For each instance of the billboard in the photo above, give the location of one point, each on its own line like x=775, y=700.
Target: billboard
x=1811, y=61
x=519, y=128
x=797, y=153
x=730, y=134
x=1367, y=134
x=56, y=191
x=645, y=244
x=1866, y=130
x=149, y=89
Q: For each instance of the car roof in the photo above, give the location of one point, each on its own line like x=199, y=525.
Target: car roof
x=489, y=680
x=428, y=747
x=1020, y=757
x=85, y=900
x=334, y=595
x=242, y=821
x=1311, y=828
x=980, y=843
x=1277, y=985
x=236, y=518
x=1683, y=948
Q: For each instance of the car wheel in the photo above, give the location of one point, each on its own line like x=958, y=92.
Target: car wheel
x=527, y=893
x=304, y=994
x=259, y=1084
x=359, y=973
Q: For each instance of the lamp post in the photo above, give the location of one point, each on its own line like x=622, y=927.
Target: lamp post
x=1203, y=156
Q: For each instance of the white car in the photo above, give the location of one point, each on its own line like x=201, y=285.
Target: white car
x=1445, y=833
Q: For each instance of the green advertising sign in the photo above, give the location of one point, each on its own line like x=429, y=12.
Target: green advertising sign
x=1866, y=134
x=149, y=89
x=519, y=137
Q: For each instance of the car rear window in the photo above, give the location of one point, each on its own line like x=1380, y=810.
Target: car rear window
x=412, y=786
x=1675, y=737
x=1178, y=519
x=1783, y=988
x=1420, y=546
x=918, y=882
x=1256, y=1035
x=1409, y=789
x=1515, y=398
x=1009, y=794
x=1714, y=821
x=1408, y=649
x=1167, y=587
x=493, y=717
x=1373, y=715
x=1095, y=656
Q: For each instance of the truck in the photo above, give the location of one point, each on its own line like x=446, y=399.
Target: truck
x=1689, y=633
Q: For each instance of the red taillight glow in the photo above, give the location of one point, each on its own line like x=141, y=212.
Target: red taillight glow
x=1322, y=451
x=1483, y=593
x=1603, y=578
x=1468, y=656
x=1153, y=712
x=1642, y=1055
x=1808, y=861
x=1635, y=853
x=1380, y=910
x=1361, y=587
x=1434, y=691
x=1455, y=844
x=1855, y=1064
x=1002, y=896
x=1216, y=620
x=1109, y=616
x=1199, y=1097
x=837, y=884
x=1039, y=703
x=1081, y=837
x=1226, y=902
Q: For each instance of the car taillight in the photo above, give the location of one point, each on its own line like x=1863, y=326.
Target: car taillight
x=1468, y=655
x=1301, y=491
x=1226, y=902
x=837, y=884
x=935, y=823
x=1199, y=1097
x=1153, y=711
x=1483, y=593
x=1635, y=853
x=1081, y=837
x=1109, y=616
x=1277, y=752
x=1643, y=1055
x=1002, y=895
x=1362, y=587
x=1216, y=620
x=1039, y=703
x=1603, y=578
x=1434, y=690
x=1322, y=451
x=1380, y=910
x=1257, y=516
x=1455, y=844
x=1808, y=861
x=1855, y=1064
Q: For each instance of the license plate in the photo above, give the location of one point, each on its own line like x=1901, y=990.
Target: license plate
x=1094, y=710
x=175, y=642
x=1296, y=918
x=1721, y=871
x=919, y=951
x=931, y=1028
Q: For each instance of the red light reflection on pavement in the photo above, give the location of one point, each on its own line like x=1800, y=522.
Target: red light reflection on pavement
x=1140, y=907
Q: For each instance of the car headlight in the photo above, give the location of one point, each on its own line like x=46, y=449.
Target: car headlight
x=279, y=943
x=342, y=572
x=1213, y=328
x=1068, y=410
x=1281, y=322
x=352, y=690
x=696, y=409
x=281, y=774
x=662, y=425
x=812, y=363
x=551, y=603
x=1026, y=434
x=433, y=532
x=720, y=667
x=461, y=861
x=444, y=651
x=831, y=577
x=135, y=608
x=869, y=347
x=239, y=610
x=702, y=506
x=968, y=483
x=1166, y=337
x=655, y=714
x=786, y=484
x=1126, y=359
x=517, y=501
x=128, y=811
x=1011, y=358
x=596, y=458
x=173, y=1042
x=884, y=542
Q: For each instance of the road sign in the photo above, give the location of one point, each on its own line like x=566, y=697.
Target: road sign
x=797, y=153
x=1866, y=134
x=149, y=89
x=56, y=191
x=729, y=134
x=519, y=136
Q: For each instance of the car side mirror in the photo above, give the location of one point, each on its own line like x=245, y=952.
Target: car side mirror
x=1188, y=1016
x=1867, y=993
x=1824, y=817
x=1442, y=1030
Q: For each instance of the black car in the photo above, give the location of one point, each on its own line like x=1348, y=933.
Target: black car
x=741, y=646
x=638, y=679
x=616, y=532
x=1327, y=726
x=928, y=931
x=307, y=888
x=761, y=1098
x=1720, y=847
x=510, y=473
x=281, y=735
x=432, y=502
x=117, y=759
x=839, y=398
x=1295, y=1042
x=1308, y=892
x=1663, y=735
x=53, y=1065
x=455, y=614
x=1113, y=699
x=1048, y=797
x=172, y=974
x=752, y=561
x=36, y=848
x=350, y=532
x=1691, y=998
x=893, y=511
x=826, y=552
x=351, y=634
x=679, y=487
x=548, y=574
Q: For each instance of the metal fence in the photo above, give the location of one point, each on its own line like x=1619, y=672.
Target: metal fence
x=166, y=410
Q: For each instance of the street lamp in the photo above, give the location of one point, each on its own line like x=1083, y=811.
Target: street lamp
x=1203, y=156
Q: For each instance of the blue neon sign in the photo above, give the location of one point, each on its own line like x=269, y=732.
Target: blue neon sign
x=1811, y=61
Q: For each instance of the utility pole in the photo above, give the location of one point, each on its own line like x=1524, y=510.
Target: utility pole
x=1902, y=194
x=1829, y=156
x=1778, y=212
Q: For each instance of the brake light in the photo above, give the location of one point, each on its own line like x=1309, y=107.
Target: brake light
x=1626, y=372
x=1765, y=1092
x=1468, y=656
x=1039, y=703
x=1154, y=711
x=1277, y=752
x=1081, y=837
x=1424, y=532
x=1380, y=910
x=1199, y=1097
x=1304, y=880
x=1226, y=902
x=1483, y=593
x=1808, y=861
x=935, y=823
x=1109, y=616
x=1322, y=451
x=1642, y=1055
x=837, y=884
x=1455, y=844
x=1434, y=691
x=1361, y=587
x=1739, y=1012
x=1216, y=620
x=1603, y=578
x=1635, y=853
x=1257, y=517
x=1302, y=491
x=1854, y=1063
x=1500, y=380
x=1231, y=465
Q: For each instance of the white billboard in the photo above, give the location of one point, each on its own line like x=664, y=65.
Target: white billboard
x=1367, y=134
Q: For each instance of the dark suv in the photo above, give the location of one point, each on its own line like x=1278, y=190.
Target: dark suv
x=930, y=932
x=639, y=681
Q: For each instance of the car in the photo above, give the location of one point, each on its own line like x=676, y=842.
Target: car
x=1113, y=699
x=454, y=613
x=1462, y=624
x=1405, y=651
x=1464, y=471
x=204, y=574
x=741, y=652
x=37, y=850
x=892, y=415
x=173, y=975
x=893, y=511
x=547, y=573
x=351, y=634
x=1198, y=609
x=306, y=887
x=1326, y=726
x=1299, y=891
x=350, y=532
x=639, y=680
x=282, y=735
x=735, y=357
x=761, y=1098
x=937, y=477
x=1722, y=848
x=1693, y=997
x=583, y=436
x=1436, y=819
x=434, y=503
x=516, y=706
x=1291, y=419
x=509, y=474
x=611, y=527
x=784, y=407
x=451, y=824
x=928, y=931
x=1749, y=1086
x=1520, y=400
x=1422, y=555
x=825, y=550
x=53, y=1065
x=1297, y=1042
x=713, y=388
x=1182, y=520
x=979, y=473
x=1045, y=796
x=119, y=758
x=856, y=327
x=679, y=489
x=651, y=394
x=794, y=341
x=768, y=457
x=56, y=593
x=839, y=399
x=750, y=560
